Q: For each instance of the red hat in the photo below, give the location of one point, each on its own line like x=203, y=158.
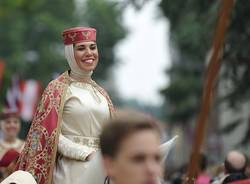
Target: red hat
x=10, y=156
x=78, y=34
x=9, y=113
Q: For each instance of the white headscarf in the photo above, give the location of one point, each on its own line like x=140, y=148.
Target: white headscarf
x=75, y=69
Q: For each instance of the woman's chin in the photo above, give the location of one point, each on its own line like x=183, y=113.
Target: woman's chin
x=88, y=68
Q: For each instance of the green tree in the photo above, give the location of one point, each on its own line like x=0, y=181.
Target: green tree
x=30, y=36
x=237, y=64
x=191, y=31
x=105, y=16
x=192, y=26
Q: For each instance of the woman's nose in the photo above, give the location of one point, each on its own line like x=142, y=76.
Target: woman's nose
x=88, y=51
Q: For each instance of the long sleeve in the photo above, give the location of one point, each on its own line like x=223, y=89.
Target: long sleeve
x=72, y=150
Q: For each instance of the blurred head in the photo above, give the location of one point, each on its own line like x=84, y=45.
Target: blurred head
x=81, y=50
x=203, y=162
x=235, y=162
x=10, y=125
x=130, y=149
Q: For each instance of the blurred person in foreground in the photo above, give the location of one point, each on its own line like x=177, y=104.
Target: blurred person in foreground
x=234, y=167
x=130, y=149
x=10, y=144
x=65, y=130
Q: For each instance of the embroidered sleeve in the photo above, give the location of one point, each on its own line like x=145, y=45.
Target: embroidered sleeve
x=72, y=150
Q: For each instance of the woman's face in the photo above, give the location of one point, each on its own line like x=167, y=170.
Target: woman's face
x=10, y=127
x=86, y=55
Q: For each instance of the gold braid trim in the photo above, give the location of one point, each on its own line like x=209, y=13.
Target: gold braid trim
x=105, y=94
x=65, y=76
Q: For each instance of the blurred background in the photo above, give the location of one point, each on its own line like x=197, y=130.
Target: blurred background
x=152, y=57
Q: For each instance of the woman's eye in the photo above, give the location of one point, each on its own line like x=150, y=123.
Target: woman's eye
x=93, y=47
x=80, y=48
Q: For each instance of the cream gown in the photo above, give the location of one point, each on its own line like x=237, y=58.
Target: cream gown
x=84, y=113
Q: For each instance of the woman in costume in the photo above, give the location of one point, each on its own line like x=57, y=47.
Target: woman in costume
x=64, y=132
x=10, y=127
x=10, y=144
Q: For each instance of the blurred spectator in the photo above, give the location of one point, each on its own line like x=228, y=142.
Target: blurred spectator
x=217, y=172
x=203, y=177
x=176, y=175
x=235, y=166
x=10, y=144
x=130, y=149
x=248, y=170
x=177, y=178
x=8, y=162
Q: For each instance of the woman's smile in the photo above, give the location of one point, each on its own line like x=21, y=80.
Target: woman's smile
x=88, y=61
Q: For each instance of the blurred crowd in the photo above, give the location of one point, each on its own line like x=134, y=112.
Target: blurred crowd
x=234, y=169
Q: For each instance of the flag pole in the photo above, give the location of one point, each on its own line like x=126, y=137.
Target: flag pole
x=208, y=88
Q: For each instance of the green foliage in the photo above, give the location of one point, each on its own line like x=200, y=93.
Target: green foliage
x=106, y=18
x=4, y=86
x=182, y=94
x=237, y=55
x=192, y=26
x=230, y=127
x=30, y=34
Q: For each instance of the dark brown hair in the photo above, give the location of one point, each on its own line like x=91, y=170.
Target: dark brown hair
x=119, y=128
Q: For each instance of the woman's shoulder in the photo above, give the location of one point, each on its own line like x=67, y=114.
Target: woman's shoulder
x=62, y=79
x=57, y=85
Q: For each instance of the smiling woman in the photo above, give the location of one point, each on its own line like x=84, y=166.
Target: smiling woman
x=86, y=55
x=64, y=133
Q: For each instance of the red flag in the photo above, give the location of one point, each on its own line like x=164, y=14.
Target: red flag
x=1, y=72
x=23, y=96
x=30, y=91
x=12, y=100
